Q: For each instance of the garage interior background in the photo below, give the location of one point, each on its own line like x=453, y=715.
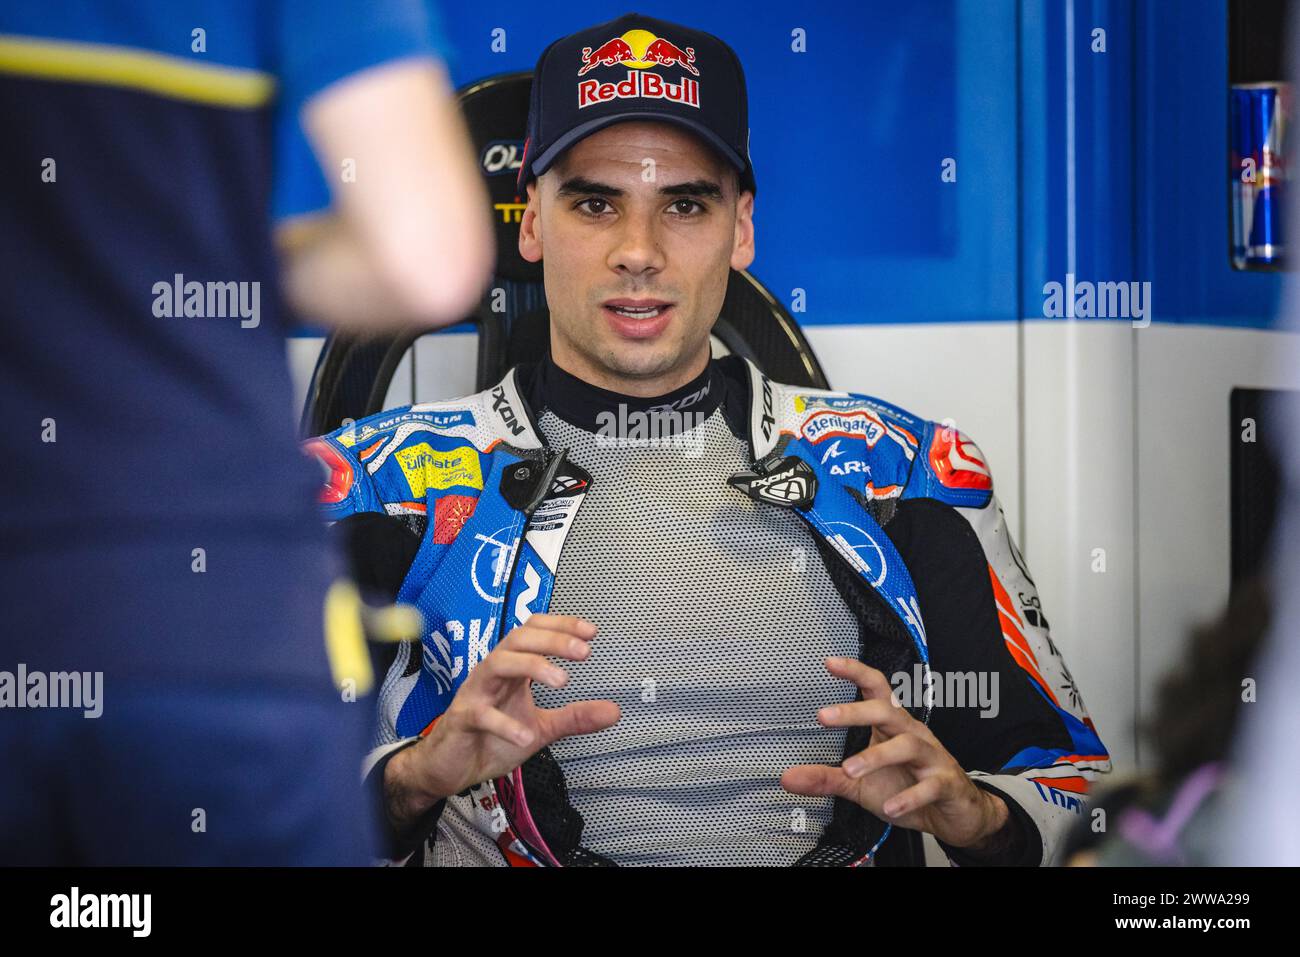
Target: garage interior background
x=1109, y=165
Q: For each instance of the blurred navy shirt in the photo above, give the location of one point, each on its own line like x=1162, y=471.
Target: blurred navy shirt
x=138, y=158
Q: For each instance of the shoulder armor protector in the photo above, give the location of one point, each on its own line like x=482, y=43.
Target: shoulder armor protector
x=399, y=460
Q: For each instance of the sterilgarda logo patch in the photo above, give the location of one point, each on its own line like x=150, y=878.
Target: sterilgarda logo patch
x=427, y=468
x=824, y=424
x=639, y=50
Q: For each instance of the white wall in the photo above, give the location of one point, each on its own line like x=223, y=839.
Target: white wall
x=1183, y=501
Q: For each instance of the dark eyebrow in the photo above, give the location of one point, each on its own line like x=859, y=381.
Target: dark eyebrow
x=581, y=186
x=702, y=188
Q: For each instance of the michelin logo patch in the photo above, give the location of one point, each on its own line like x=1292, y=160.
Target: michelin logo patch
x=434, y=420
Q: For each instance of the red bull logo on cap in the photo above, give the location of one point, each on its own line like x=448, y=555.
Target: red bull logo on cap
x=638, y=50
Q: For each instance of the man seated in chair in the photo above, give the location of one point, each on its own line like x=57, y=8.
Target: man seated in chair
x=676, y=613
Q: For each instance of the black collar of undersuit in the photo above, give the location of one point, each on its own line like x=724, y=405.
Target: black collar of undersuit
x=590, y=407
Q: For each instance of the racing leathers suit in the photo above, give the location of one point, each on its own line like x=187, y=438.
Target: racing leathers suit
x=903, y=514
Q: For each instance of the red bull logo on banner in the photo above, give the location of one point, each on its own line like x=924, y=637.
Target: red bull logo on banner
x=639, y=50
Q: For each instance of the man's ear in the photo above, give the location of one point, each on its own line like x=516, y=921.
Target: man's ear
x=742, y=249
x=530, y=227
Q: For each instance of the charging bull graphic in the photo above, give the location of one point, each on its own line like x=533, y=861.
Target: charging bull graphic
x=666, y=54
x=607, y=54
x=653, y=51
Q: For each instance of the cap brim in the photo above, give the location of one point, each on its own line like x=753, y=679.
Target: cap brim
x=544, y=160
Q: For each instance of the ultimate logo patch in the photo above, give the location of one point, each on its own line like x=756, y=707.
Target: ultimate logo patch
x=427, y=468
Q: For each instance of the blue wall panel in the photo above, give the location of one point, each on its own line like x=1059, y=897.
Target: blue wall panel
x=1182, y=128
x=848, y=141
x=1111, y=166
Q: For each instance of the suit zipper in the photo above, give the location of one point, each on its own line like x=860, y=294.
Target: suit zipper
x=553, y=464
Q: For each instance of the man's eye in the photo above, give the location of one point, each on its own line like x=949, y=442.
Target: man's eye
x=600, y=207
x=687, y=207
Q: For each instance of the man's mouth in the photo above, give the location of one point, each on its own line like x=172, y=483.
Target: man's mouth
x=637, y=308
x=638, y=318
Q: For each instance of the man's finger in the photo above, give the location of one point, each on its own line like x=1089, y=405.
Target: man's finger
x=905, y=749
x=918, y=796
x=580, y=717
x=873, y=713
x=545, y=641
x=569, y=624
x=817, y=780
x=497, y=722
x=502, y=663
x=872, y=682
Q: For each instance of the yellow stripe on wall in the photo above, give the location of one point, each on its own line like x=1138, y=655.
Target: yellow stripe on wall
x=158, y=73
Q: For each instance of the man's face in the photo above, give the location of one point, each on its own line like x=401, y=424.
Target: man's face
x=637, y=227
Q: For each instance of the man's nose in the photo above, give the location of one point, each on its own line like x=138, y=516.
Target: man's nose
x=639, y=248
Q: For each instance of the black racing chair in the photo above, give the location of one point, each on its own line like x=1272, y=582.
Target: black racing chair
x=353, y=374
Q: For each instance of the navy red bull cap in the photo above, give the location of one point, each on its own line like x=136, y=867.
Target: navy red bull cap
x=637, y=68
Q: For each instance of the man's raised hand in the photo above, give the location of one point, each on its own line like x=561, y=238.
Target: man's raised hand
x=905, y=775
x=492, y=725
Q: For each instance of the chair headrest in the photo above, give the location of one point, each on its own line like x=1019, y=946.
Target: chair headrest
x=496, y=113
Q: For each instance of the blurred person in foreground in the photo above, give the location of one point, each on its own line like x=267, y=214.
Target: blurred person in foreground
x=1172, y=814
x=1260, y=827
x=164, y=687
